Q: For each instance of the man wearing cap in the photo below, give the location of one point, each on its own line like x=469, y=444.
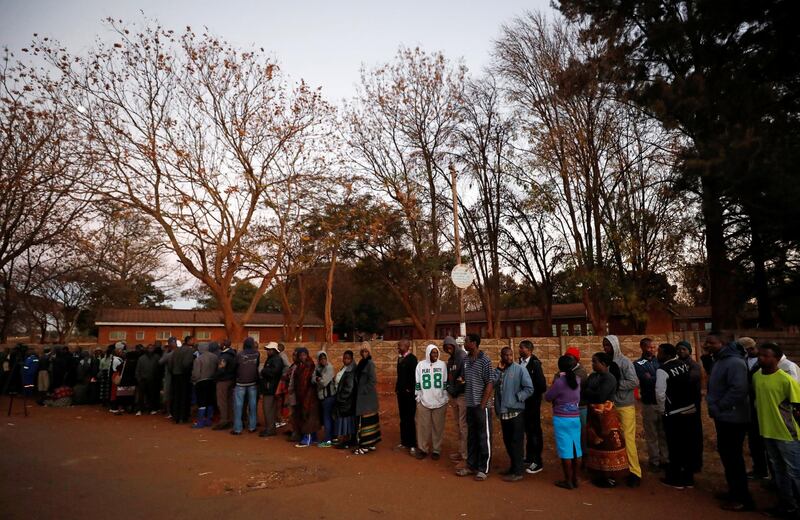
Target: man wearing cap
x=406, y=397
x=270, y=379
x=695, y=441
x=533, y=408
x=455, y=389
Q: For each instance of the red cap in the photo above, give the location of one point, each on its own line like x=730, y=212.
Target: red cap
x=574, y=352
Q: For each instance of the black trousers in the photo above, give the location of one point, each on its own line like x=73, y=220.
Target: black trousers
x=181, y=397
x=479, y=438
x=758, y=451
x=407, y=408
x=533, y=430
x=513, y=438
x=696, y=446
x=148, y=395
x=678, y=430
x=730, y=444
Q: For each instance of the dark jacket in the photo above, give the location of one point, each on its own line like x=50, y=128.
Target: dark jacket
x=345, y=394
x=727, y=387
x=646, y=370
x=534, y=368
x=247, y=367
x=406, y=375
x=147, y=368
x=271, y=374
x=182, y=360
x=226, y=365
x=366, y=383
x=455, y=371
x=599, y=388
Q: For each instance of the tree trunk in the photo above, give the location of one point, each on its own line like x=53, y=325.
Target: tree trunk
x=720, y=273
x=757, y=254
x=329, y=300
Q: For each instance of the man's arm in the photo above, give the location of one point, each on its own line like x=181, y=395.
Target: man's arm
x=629, y=379
x=661, y=389
x=737, y=387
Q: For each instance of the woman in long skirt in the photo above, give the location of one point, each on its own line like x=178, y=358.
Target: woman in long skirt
x=607, y=460
x=369, y=427
x=344, y=409
x=104, y=376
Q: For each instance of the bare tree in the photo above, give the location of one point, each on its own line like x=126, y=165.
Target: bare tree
x=190, y=130
x=400, y=130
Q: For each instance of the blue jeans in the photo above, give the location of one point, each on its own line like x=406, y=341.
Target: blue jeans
x=327, y=416
x=238, y=405
x=785, y=459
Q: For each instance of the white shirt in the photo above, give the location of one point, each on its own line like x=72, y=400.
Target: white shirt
x=790, y=367
x=523, y=362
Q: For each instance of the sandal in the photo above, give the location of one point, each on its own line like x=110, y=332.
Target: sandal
x=360, y=451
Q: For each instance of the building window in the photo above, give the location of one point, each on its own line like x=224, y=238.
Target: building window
x=577, y=329
x=256, y=335
x=555, y=331
x=203, y=335
x=139, y=335
x=565, y=329
x=707, y=326
x=518, y=331
x=695, y=326
x=508, y=331
x=163, y=335
x=589, y=329
x=117, y=335
x=186, y=333
x=682, y=327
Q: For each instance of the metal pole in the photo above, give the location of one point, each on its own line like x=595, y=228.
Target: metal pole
x=463, y=327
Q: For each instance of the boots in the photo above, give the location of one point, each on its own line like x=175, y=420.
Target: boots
x=201, y=418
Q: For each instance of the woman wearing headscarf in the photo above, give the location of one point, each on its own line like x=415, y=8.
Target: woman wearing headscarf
x=104, y=376
x=345, y=401
x=290, y=401
x=326, y=393
x=607, y=459
x=369, y=428
x=306, y=410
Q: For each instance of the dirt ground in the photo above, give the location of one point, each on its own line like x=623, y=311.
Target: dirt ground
x=82, y=462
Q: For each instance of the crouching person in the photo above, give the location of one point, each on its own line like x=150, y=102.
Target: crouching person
x=431, y=395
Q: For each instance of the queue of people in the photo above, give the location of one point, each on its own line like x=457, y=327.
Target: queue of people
x=752, y=391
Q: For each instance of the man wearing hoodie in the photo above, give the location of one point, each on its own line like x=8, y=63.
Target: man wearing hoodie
x=203, y=372
x=729, y=406
x=226, y=376
x=623, y=401
x=246, y=380
x=147, y=372
x=512, y=390
x=180, y=366
x=431, y=396
x=455, y=389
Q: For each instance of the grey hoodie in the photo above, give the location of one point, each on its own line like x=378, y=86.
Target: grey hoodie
x=205, y=366
x=727, y=395
x=628, y=381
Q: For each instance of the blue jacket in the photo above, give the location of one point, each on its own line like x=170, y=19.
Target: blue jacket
x=647, y=385
x=512, y=387
x=727, y=395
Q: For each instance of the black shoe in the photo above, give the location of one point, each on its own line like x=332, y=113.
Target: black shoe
x=604, y=482
x=234, y=432
x=266, y=433
x=752, y=475
x=435, y=456
x=420, y=455
x=633, y=481
x=738, y=507
x=672, y=484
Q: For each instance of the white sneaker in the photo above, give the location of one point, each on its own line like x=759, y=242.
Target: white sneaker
x=280, y=424
x=412, y=451
x=138, y=413
x=534, y=468
x=153, y=412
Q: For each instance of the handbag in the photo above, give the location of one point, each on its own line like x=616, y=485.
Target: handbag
x=126, y=391
x=116, y=378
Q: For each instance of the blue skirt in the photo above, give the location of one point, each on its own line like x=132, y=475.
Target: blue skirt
x=568, y=437
x=344, y=426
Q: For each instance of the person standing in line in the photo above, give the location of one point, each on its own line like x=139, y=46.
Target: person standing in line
x=431, y=398
x=203, y=372
x=477, y=390
x=534, y=443
x=655, y=439
x=324, y=376
x=565, y=394
x=729, y=406
x=181, y=368
x=247, y=362
x=695, y=441
x=624, y=403
x=306, y=404
x=455, y=389
x=270, y=379
x=147, y=371
x=369, y=426
x=226, y=379
x=406, y=399
x=778, y=409
x=583, y=375
x=166, y=362
x=345, y=402
x=512, y=390
x=676, y=400
x=758, y=452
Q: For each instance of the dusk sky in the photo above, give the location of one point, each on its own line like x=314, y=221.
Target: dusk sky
x=323, y=42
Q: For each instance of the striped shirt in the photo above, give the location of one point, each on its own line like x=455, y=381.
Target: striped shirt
x=477, y=375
